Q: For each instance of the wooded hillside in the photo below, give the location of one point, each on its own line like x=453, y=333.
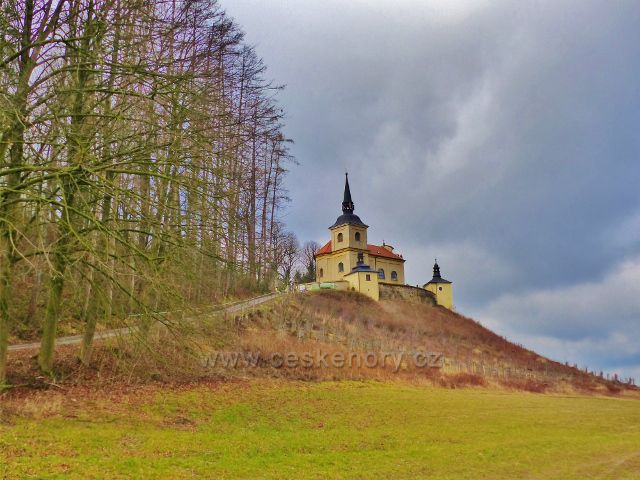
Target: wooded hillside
x=141, y=163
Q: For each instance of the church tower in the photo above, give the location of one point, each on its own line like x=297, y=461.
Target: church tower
x=347, y=261
x=348, y=231
x=441, y=288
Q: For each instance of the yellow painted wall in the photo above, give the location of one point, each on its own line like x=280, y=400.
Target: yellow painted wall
x=329, y=263
x=443, y=293
x=389, y=265
x=354, y=282
x=348, y=237
x=359, y=283
x=349, y=257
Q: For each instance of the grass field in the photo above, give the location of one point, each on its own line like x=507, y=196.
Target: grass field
x=277, y=429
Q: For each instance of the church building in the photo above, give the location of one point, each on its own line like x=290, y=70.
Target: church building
x=348, y=261
x=349, y=257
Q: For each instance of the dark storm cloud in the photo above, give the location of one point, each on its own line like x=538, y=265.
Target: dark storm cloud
x=501, y=137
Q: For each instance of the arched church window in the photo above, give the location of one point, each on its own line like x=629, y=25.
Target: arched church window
x=341, y=267
x=321, y=273
x=340, y=237
x=357, y=236
x=381, y=273
x=394, y=275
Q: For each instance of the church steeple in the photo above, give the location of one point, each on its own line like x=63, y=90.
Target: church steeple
x=437, y=277
x=436, y=270
x=347, y=217
x=347, y=203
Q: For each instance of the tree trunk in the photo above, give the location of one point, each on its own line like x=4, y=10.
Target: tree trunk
x=47, y=344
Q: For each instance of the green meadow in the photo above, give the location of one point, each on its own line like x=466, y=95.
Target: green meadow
x=280, y=430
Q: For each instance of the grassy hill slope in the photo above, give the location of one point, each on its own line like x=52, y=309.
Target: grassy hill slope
x=328, y=322
x=473, y=354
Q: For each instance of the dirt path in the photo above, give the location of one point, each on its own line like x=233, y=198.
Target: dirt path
x=76, y=339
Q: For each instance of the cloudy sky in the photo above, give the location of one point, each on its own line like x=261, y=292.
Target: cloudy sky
x=502, y=138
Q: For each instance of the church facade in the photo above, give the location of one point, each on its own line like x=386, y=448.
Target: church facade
x=349, y=257
x=348, y=261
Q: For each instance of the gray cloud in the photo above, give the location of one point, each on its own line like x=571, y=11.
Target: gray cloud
x=594, y=322
x=589, y=309
x=501, y=137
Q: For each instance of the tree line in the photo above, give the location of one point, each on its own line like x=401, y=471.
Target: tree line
x=142, y=159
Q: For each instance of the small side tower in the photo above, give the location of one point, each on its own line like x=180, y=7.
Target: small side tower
x=441, y=288
x=362, y=278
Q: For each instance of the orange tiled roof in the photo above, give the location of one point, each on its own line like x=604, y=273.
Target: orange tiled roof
x=380, y=251
x=324, y=249
x=375, y=250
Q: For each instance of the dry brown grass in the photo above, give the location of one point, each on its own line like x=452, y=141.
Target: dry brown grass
x=527, y=384
x=334, y=322
x=462, y=380
x=358, y=320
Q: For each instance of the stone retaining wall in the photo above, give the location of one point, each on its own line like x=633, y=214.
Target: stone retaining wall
x=407, y=293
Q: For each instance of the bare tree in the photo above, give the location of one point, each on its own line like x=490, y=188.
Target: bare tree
x=287, y=254
x=142, y=159
x=308, y=260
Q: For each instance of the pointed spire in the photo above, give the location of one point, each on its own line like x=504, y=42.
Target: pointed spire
x=347, y=217
x=436, y=270
x=347, y=203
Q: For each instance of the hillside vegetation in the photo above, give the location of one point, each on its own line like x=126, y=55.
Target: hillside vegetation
x=320, y=325
x=472, y=353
